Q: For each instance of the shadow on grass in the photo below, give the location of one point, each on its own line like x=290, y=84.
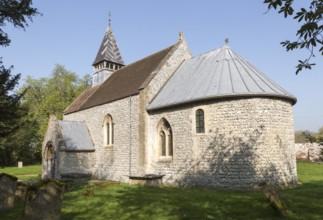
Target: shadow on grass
x=134, y=202
x=122, y=201
x=305, y=201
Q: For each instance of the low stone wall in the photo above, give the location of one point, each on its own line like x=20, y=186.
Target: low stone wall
x=308, y=151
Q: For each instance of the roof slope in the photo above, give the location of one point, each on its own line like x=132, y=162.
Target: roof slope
x=217, y=74
x=122, y=83
x=76, y=136
x=109, y=49
x=81, y=99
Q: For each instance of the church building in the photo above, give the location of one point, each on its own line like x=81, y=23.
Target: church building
x=212, y=120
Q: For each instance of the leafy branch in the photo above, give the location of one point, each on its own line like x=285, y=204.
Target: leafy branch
x=310, y=34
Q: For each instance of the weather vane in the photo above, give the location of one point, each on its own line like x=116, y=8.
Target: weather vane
x=109, y=18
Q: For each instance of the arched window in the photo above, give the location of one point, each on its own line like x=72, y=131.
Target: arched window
x=108, y=130
x=165, y=138
x=162, y=139
x=199, y=119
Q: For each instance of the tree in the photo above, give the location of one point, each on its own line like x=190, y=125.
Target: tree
x=300, y=137
x=320, y=133
x=16, y=12
x=42, y=97
x=22, y=145
x=52, y=95
x=9, y=101
x=309, y=35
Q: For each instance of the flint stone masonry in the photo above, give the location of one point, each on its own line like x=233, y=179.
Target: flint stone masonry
x=162, y=74
x=8, y=185
x=248, y=142
x=57, y=159
x=110, y=162
x=75, y=178
x=309, y=151
x=44, y=200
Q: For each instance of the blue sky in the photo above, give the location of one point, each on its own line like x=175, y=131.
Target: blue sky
x=70, y=32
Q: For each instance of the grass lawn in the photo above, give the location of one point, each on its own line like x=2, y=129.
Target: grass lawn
x=25, y=173
x=109, y=200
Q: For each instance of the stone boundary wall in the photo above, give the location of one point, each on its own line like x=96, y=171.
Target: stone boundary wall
x=308, y=151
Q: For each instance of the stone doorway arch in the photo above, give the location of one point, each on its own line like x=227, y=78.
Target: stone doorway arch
x=49, y=160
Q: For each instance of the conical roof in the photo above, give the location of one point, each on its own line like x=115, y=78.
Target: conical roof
x=216, y=74
x=109, y=49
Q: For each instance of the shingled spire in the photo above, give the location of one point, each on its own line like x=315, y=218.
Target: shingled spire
x=108, y=58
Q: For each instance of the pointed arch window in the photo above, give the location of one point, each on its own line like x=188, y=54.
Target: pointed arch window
x=162, y=144
x=199, y=119
x=108, y=131
x=165, y=139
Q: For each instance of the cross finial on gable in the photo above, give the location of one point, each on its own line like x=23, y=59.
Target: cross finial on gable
x=181, y=36
x=226, y=41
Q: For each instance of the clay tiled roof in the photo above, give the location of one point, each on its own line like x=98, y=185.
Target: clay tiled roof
x=124, y=82
x=80, y=100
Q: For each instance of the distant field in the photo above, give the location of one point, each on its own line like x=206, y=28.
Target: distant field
x=111, y=200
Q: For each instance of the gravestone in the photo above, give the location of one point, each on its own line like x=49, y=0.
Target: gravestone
x=43, y=200
x=21, y=190
x=20, y=164
x=8, y=185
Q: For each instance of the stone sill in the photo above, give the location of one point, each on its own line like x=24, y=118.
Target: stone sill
x=108, y=146
x=165, y=159
x=202, y=134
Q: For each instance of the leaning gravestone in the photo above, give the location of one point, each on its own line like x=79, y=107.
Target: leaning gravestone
x=8, y=185
x=43, y=200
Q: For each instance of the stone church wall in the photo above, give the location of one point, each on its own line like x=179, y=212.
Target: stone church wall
x=163, y=74
x=76, y=162
x=165, y=71
x=246, y=142
x=111, y=162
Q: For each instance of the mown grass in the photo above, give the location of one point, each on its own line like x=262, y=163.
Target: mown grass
x=306, y=200
x=26, y=170
x=110, y=200
x=122, y=201
x=30, y=172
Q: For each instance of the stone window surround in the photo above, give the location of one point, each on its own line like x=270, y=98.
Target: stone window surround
x=108, y=131
x=205, y=109
x=199, y=121
x=164, y=126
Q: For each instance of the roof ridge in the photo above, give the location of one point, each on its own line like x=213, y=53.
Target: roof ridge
x=125, y=81
x=81, y=99
x=137, y=61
